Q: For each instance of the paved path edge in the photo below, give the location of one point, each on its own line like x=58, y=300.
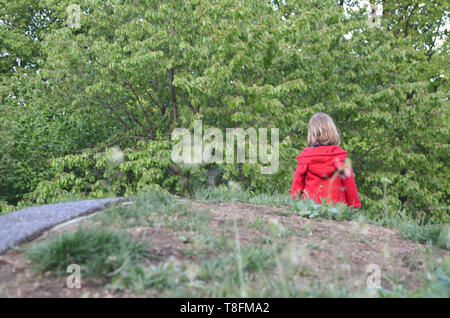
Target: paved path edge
x=24, y=225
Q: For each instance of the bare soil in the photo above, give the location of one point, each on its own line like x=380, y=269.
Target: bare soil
x=331, y=250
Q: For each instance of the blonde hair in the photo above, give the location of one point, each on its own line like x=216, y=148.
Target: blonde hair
x=322, y=131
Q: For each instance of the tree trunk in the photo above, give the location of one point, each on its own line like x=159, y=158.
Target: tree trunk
x=174, y=98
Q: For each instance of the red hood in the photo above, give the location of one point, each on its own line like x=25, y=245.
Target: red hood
x=322, y=161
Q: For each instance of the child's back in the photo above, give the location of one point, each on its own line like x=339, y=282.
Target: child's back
x=317, y=175
x=319, y=171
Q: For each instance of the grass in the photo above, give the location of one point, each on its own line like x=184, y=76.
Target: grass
x=434, y=234
x=437, y=235
x=220, y=194
x=100, y=253
x=217, y=262
x=151, y=209
x=306, y=208
x=437, y=284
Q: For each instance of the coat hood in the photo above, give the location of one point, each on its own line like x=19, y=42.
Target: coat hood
x=323, y=160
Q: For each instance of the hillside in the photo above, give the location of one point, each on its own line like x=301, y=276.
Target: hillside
x=160, y=246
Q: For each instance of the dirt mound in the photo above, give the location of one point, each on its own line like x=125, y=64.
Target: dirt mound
x=331, y=251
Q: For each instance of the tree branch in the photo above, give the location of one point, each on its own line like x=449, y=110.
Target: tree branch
x=372, y=148
x=107, y=145
x=130, y=86
x=174, y=98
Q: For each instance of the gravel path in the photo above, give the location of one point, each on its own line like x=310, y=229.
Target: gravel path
x=23, y=225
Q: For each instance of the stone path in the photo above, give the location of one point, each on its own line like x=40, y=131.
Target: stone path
x=23, y=225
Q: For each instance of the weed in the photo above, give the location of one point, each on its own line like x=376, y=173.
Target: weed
x=220, y=194
x=98, y=252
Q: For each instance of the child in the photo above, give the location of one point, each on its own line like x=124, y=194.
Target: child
x=321, y=170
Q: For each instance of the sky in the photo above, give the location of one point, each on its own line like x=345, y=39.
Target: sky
x=379, y=12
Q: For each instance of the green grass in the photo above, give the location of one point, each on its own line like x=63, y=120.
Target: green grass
x=305, y=208
x=98, y=252
x=215, y=263
x=437, y=284
x=209, y=276
x=142, y=279
x=437, y=235
x=276, y=199
x=220, y=194
x=434, y=234
x=150, y=209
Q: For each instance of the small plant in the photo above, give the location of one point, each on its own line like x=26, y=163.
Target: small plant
x=433, y=234
x=154, y=201
x=6, y=208
x=100, y=253
x=311, y=209
x=437, y=284
x=230, y=193
x=275, y=199
x=166, y=275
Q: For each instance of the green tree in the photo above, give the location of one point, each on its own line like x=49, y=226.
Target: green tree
x=138, y=69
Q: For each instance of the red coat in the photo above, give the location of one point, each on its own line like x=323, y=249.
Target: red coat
x=314, y=174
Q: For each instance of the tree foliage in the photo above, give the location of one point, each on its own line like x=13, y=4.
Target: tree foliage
x=135, y=70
